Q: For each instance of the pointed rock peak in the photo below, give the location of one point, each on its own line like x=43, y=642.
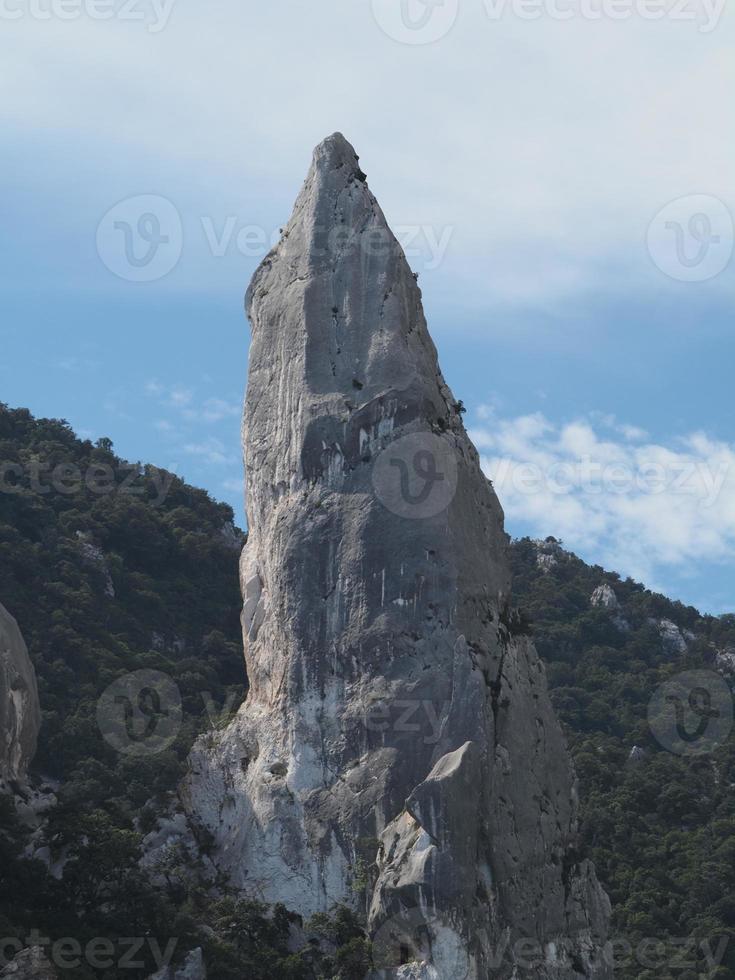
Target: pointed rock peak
x=337, y=292
x=334, y=153
x=375, y=576
x=335, y=216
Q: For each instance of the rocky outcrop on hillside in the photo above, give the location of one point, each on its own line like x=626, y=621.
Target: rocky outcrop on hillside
x=604, y=598
x=20, y=713
x=397, y=751
x=29, y=964
x=192, y=968
x=673, y=640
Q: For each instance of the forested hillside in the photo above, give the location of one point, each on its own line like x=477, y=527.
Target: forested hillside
x=111, y=569
x=659, y=825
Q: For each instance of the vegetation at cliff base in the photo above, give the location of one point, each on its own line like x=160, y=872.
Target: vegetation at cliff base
x=659, y=826
x=112, y=568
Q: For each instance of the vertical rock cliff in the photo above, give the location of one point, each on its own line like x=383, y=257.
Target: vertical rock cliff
x=397, y=750
x=20, y=714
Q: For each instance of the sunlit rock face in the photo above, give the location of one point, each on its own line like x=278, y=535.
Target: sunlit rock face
x=397, y=750
x=20, y=714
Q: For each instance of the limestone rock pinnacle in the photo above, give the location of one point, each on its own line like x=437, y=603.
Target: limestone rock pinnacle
x=397, y=750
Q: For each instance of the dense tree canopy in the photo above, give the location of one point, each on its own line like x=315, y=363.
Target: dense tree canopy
x=112, y=568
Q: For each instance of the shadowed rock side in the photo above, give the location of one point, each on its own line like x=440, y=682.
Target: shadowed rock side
x=20, y=713
x=397, y=750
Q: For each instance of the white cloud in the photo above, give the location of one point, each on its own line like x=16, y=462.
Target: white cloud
x=558, y=143
x=180, y=397
x=182, y=400
x=216, y=409
x=617, y=498
x=234, y=486
x=211, y=451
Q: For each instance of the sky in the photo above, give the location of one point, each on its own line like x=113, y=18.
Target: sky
x=558, y=171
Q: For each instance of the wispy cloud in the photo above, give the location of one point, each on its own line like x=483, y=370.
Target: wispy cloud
x=611, y=493
x=183, y=400
x=77, y=365
x=211, y=451
x=216, y=409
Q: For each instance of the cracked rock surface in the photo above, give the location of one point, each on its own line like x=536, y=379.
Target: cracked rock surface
x=20, y=713
x=397, y=750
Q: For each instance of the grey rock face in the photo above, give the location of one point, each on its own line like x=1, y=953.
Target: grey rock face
x=29, y=964
x=192, y=968
x=397, y=750
x=95, y=557
x=20, y=713
x=673, y=640
x=548, y=553
x=604, y=598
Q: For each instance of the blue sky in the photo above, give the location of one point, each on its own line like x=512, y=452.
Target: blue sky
x=529, y=166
